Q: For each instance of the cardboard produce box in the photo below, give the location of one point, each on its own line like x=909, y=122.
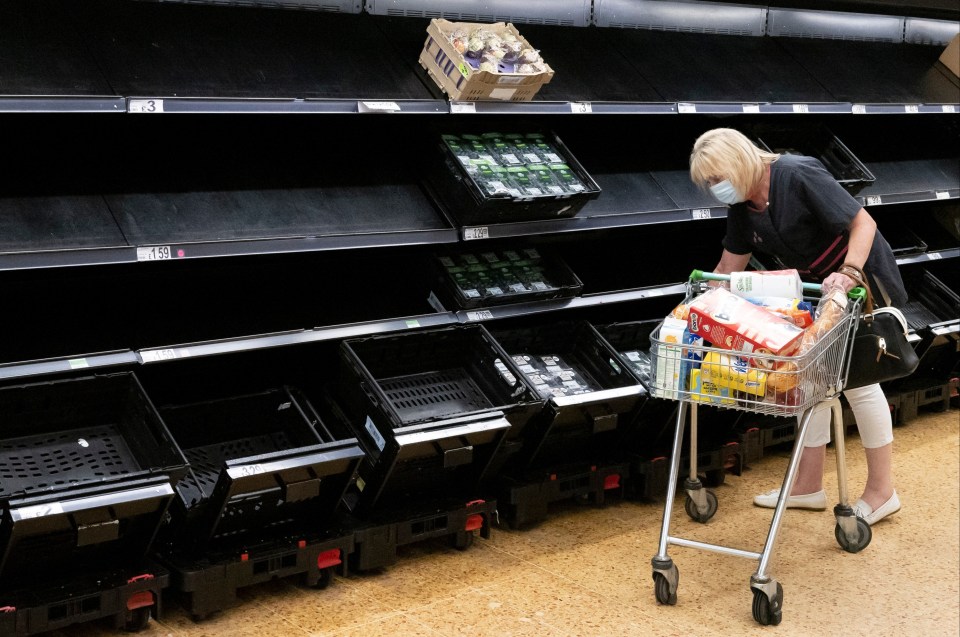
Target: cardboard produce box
x=951, y=55
x=459, y=75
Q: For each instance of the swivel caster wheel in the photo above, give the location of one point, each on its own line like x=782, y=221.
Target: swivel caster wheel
x=702, y=516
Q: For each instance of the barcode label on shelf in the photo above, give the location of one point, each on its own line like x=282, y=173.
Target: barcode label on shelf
x=751, y=108
x=156, y=355
x=686, y=107
x=949, y=108
x=943, y=194
x=480, y=315
x=413, y=322
x=463, y=107
x=859, y=109
x=154, y=253
x=145, y=106
x=911, y=108
x=801, y=108
x=40, y=510
x=934, y=256
x=378, y=107
x=874, y=200
x=581, y=107
x=476, y=232
x=78, y=363
x=701, y=213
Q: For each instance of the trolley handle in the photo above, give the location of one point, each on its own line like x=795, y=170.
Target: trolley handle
x=699, y=275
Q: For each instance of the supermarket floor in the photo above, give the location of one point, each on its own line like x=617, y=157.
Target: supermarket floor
x=586, y=571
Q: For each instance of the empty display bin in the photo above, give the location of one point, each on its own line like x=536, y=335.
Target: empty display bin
x=87, y=472
x=430, y=408
x=261, y=464
x=819, y=142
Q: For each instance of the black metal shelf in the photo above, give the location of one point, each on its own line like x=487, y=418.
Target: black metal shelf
x=115, y=55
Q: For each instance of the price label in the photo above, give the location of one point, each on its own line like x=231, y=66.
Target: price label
x=686, y=107
x=751, y=108
x=949, y=108
x=874, y=200
x=154, y=253
x=476, y=232
x=911, y=108
x=378, y=107
x=156, y=355
x=463, y=107
x=943, y=194
x=701, y=213
x=41, y=510
x=412, y=322
x=145, y=106
x=581, y=107
x=78, y=363
x=934, y=256
x=480, y=315
x=248, y=470
x=655, y=292
x=859, y=109
x=801, y=108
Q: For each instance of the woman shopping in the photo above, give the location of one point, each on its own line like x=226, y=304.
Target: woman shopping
x=792, y=210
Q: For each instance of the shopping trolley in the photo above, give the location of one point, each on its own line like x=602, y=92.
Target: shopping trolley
x=792, y=386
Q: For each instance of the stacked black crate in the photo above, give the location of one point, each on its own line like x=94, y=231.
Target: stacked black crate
x=431, y=409
x=266, y=477
x=572, y=448
x=87, y=472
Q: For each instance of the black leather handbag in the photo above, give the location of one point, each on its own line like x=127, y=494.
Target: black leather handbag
x=881, y=351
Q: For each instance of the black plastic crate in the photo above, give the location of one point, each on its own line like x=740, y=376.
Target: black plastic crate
x=379, y=536
x=130, y=596
x=649, y=475
x=468, y=280
x=631, y=341
x=260, y=464
x=819, y=142
x=430, y=408
x=465, y=191
x=210, y=584
x=591, y=397
x=87, y=470
x=528, y=501
x=931, y=302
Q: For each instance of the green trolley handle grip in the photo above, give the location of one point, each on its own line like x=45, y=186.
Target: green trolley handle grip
x=699, y=275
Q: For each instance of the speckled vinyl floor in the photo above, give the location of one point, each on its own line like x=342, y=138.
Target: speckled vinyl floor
x=586, y=571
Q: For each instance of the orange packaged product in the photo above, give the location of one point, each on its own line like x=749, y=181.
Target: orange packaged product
x=731, y=322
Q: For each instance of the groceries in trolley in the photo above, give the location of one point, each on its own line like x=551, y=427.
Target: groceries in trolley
x=726, y=348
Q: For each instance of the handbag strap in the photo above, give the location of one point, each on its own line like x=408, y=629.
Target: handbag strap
x=860, y=278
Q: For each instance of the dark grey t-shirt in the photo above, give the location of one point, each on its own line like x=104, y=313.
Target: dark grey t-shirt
x=806, y=226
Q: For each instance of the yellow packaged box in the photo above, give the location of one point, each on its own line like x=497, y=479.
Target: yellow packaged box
x=472, y=61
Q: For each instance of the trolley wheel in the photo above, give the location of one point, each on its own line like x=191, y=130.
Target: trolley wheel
x=694, y=512
x=137, y=619
x=325, y=579
x=863, y=537
x=462, y=540
x=661, y=588
x=763, y=608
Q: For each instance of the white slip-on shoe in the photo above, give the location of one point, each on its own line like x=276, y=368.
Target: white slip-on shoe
x=813, y=501
x=871, y=516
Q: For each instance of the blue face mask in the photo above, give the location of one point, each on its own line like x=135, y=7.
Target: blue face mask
x=726, y=193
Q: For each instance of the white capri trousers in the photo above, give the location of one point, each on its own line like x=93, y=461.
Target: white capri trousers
x=871, y=410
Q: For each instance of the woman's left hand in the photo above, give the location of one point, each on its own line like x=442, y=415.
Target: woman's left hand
x=837, y=280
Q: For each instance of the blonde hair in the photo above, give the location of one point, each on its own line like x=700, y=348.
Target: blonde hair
x=725, y=153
